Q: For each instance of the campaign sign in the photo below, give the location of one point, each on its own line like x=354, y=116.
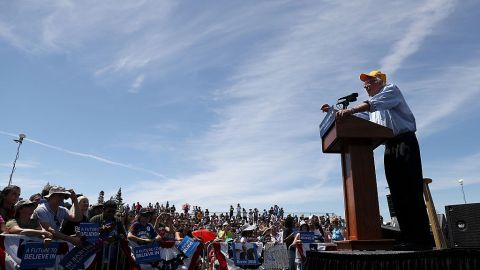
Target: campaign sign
x=36, y=255
x=76, y=258
x=245, y=254
x=327, y=122
x=307, y=237
x=147, y=253
x=188, y=246
x=275, y=256
x=91, y=231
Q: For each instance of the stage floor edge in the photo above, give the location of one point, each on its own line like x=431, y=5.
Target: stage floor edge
x=445, y=259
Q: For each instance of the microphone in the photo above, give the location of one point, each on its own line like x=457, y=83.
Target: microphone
x=350, y=98
x=345, y=101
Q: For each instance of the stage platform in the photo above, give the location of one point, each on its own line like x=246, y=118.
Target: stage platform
x=455, y=259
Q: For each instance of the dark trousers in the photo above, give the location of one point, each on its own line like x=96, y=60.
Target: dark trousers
x=403, y=170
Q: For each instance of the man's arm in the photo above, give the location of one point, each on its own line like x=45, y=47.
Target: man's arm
x=77, y=215
x=139, y=240
x=362, y=107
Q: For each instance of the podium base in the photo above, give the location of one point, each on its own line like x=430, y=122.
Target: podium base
x=379, y=244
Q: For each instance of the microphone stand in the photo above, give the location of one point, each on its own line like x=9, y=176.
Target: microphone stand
x=344, y=103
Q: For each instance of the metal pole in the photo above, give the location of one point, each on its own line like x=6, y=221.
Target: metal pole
x=463, y=191
x=19, y=141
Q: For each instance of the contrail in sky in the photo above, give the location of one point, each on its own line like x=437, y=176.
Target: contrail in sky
x=90, y=156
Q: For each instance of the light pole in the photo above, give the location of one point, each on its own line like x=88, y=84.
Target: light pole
x=19, y=141
x=463, y=191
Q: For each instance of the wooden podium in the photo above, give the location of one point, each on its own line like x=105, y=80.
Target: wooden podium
x=355, y=139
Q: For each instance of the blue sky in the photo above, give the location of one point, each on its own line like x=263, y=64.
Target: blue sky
x=217, y=102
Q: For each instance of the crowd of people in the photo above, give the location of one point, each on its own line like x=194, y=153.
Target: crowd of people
x=56, y=213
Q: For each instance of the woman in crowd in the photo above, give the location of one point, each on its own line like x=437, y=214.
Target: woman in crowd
x=129, y=219
x=164, y=227
x=2, y=225
x=184, y=229
x=22, y=223
x=71, y=227
x=225, y=232
x=299, y=257
x=8, y=198
x=270, y=235
x=336, y=232
x=318, y=231
x=142, y=232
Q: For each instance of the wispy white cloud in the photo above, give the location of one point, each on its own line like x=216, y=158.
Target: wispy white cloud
x=21, y=164
x=89, y=156
x=436, y=101
x=424, y=20
x=7, y=33
x=137, y=84
x=271, y=107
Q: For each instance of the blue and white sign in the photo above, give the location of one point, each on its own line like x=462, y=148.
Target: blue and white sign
x=327, y=122
x=76, y=258
x=307, y=237
x=36, y=255
x=91, y=231
x=188, y=246
x=245, y=254
x=147, y=253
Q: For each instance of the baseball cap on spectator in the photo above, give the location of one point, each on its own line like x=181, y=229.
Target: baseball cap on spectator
x=110, y=203
x=57, y=190
x=144, y=212
x=36, y=197
x=97, y=205
x=23, y=203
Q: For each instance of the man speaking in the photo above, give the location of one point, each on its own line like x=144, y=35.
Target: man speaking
x=403, y=167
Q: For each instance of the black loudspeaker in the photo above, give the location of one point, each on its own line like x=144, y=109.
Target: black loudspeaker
x=463, y=225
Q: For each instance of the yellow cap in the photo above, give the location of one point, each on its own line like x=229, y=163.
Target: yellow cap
x=374, y=74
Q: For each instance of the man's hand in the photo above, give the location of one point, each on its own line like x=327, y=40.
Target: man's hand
x=342, y=113
x=52, y=232
x=47, y=234
x=146, y=241
x=72, y=193
x=325, y=108
x=107, y=227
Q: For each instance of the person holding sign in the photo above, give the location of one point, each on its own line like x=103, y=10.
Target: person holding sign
x=23, y=224
x=111, y=228
x=73, y=228
x=164, y=227
x=184, y=229
x=142, y=232
x=299, y=253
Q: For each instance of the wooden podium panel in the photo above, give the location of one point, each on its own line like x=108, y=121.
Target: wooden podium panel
x=354, y=129
x=355, y=139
